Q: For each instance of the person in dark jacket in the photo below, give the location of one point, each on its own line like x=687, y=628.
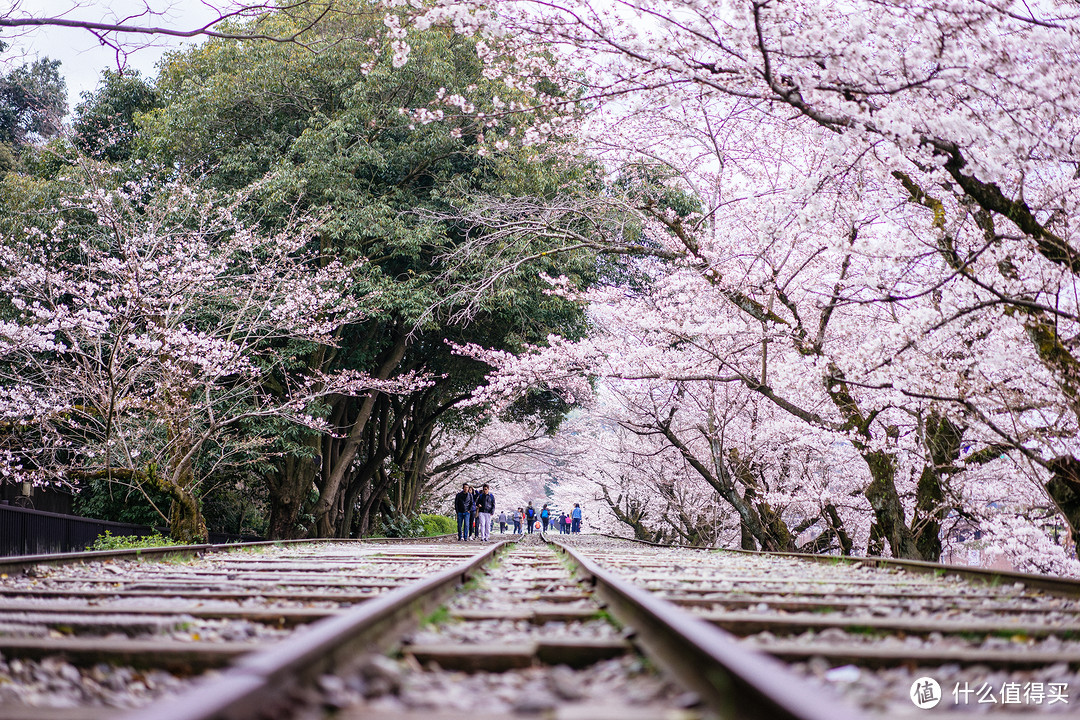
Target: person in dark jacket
x=475, y=516
x=530, y=517
x=463, y=505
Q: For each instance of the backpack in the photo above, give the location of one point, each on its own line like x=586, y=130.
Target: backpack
x=529, y=513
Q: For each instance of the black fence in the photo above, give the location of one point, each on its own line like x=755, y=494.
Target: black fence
x=54, y=500
x=34, y=532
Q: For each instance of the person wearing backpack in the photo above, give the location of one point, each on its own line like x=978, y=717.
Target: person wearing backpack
x=545, y=515
x=530, y=513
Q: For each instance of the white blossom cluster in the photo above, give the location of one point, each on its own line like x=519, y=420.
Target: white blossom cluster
x=139, y=345
x=875, y=238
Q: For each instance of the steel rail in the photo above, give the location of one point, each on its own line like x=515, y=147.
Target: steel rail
x=251, y=687
x=734, y=681
x=743, y=624
x=1065, y=587
x=18, y=563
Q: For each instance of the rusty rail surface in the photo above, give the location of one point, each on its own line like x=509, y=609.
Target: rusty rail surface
x=259, y=684
x=734, y=681
x=1065, y=587
x=18, y=563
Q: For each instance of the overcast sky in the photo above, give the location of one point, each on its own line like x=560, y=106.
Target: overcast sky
x=82, y=56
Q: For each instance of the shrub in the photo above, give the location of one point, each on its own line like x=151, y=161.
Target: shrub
x=400, y=526
x=410, y=526
x=108, y=541
x=438, y=525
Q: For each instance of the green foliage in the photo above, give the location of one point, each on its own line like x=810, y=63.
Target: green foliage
x=649, y=182
x=438, y=525
x=108, y=541
x=323, y=132
x=104, y=125
x=413, y=525
x=235, y=504
x=399, y=526
x=117, y=502
x=441, y=616
x=33, y=101
x=541, y=404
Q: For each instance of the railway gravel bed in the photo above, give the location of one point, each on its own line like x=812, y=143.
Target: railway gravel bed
x=121, y=633
x=873, y=635
x=302, y=629
x=503, y=647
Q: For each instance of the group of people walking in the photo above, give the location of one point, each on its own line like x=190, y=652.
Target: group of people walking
x=528, y=517
x=475, y=509
x=564, y=522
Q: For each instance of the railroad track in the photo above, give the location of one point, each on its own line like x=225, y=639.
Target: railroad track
x=302, y=631
x=447, y=631
x=870, y=629
x=84, y=634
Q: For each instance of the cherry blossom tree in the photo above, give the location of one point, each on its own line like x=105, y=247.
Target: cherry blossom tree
x=151, y=335
x=837, y=301
x=878, y=205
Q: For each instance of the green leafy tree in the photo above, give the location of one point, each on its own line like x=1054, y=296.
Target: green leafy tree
x=345, y=133
x=104, y=125
x=32, y=102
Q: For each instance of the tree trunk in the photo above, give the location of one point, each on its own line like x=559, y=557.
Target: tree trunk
x=721, y=480
x=1064, y=489
x=888, y=510
x=942, y=439
x=633, y=515
x=289, y=489
x=926, y=524
x=875, y=544
x=746, y=539
x=837, y=527
x=360, y=491
x=186, y=523
x=323, y=521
